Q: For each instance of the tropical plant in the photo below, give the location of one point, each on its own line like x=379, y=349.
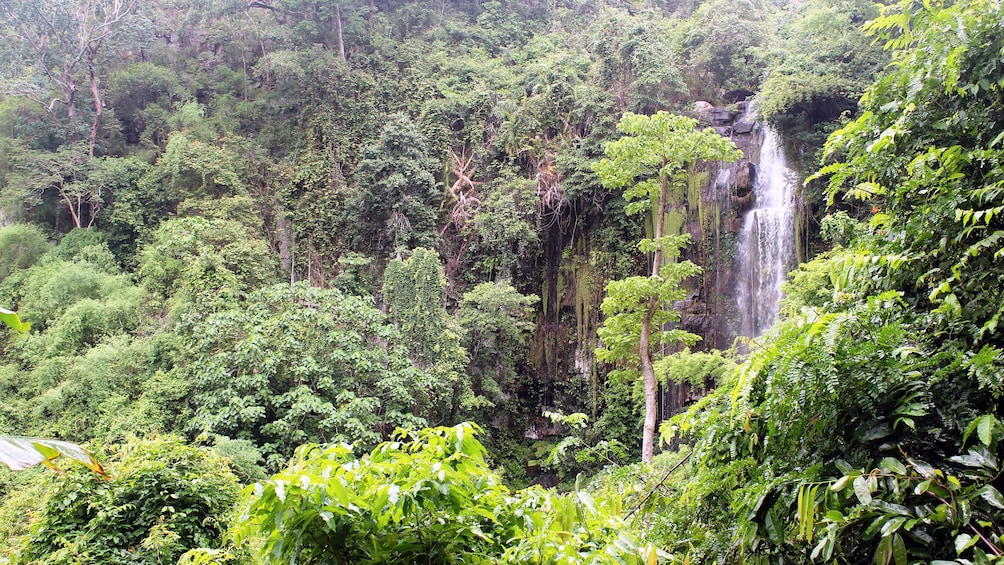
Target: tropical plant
x=20, y=453
x=426, y=496
x=165, y=497
x=651, y=163
x=299, y=364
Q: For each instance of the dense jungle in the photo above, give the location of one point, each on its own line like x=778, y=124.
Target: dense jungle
x=501, y=281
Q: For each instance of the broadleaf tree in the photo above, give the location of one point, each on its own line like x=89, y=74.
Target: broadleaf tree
x=651, y=163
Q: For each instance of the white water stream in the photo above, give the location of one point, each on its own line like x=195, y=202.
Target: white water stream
x=766, y=243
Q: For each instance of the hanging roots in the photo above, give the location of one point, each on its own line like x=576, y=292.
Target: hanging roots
x=464, y=191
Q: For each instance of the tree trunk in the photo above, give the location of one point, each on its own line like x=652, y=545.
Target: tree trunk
x=341, y=42
x=71, y=110
x=74, y=211
x=97, y=112
x=651, y=388
x=644, y=348
x=369, y=22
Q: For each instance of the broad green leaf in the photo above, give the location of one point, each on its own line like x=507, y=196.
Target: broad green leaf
x=587, y=500
x=984, y=428
x=20, y=453
x=883, y=553
x=835, y=516
x=892, y=525
x=13, y=321
x=964, y=542
x=774, y=529
x=893, y=465
x=861, y=490
x=993, y=496
x=898, y=549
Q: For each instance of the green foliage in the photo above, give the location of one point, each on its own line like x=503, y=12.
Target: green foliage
x=192, y=168
x=575, y=454
x=20, y=247
x=654, y=156
x=299, y=364
x=507, y=225
x=205, y=262
x=395, y=204
x=913, y=510
x=164, y=498
x=426, y=496
x=62, y=178
x=414, y=289
x=48, y=290
x=926, y=152
x=824, y=63
x=142, y=96
x=625, y=308
x=696, y=368
x=133, y=205
x=638, y=61
x=13, y=321
x=496, y=322
x=722, y=42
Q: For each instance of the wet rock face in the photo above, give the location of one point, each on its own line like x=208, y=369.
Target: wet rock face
x=744, y=125
x=715, y=223
x=745, y=178
x=703, y=110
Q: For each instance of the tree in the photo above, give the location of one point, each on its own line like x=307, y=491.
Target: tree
x=67, y=173
x=302, y=364
x=62, y=38
x=651, y=162
x=395, y=207
x=415, y=292
x=20, y=247
x=497, y=321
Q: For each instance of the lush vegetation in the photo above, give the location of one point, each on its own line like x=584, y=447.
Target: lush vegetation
x=293, y=249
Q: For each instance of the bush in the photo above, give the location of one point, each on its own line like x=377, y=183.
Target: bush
x=20, y=247
x=164, y=497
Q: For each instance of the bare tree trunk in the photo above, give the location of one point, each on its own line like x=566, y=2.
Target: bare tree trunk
x=96, y=123
x=369, y=22
x=341, y=42
x=74, y=212
x=644, y=340
x=651, y=387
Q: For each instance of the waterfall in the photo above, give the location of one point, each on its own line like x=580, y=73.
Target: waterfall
x=766, y=248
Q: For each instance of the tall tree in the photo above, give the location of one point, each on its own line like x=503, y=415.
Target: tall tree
x=651, y=163
x=63, y=38
x=397, y=195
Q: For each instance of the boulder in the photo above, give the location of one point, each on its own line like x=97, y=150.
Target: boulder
x=703, y=110
x=743, y=126
x=721, y=116
x=745, y=177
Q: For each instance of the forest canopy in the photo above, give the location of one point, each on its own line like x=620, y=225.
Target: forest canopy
x=383, y=281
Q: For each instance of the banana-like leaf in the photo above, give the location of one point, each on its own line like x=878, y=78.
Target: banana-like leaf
x=12, y=320
x=19, y=453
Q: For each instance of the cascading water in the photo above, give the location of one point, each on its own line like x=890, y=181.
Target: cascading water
x=766, y=243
